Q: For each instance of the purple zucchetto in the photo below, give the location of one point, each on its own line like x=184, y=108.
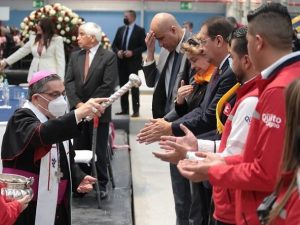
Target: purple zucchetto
x=40, y=75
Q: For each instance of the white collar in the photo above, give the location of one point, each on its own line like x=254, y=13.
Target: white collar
x=267, y=72
x=36, y=111
x=94, y=49
x=223, y=61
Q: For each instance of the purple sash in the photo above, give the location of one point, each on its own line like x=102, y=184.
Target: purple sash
x=62, y=188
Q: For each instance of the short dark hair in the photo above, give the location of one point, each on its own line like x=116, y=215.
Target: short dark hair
x=232, y=20
x=39, y=87
x=132, y=12
x=239, y=35
x=189, y=23
x=273, y=22
x=218, y=26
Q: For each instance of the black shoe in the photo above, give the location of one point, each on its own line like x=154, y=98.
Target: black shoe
x=121, y=113
x=103, y=195
x=136, y=114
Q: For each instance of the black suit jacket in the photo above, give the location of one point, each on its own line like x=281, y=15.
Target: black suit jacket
x=203, y=118
x=100, y=81
x=153, y=74
x=136, y=44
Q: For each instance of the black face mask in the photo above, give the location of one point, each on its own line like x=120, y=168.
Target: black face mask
x=126, y=21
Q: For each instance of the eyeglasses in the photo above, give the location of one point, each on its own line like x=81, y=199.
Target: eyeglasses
x=55, y=94
x=203, y=42
x=196, y=42
x=193, y=41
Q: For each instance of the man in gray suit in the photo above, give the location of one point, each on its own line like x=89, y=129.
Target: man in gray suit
x=92, y=72
x=165, y=76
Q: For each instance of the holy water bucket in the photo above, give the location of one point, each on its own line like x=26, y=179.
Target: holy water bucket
x=13, y=187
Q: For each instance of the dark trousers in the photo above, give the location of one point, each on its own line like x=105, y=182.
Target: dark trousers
x=85, y=142
x=201, y=204
x=182, y=196
x=124, y=73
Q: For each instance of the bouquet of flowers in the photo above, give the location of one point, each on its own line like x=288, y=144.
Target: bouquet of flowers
x=65, y=20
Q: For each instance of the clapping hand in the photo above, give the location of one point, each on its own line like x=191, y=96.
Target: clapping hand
x=197, y=170
x=177, y=147
x=154, y=130
x=86, y=184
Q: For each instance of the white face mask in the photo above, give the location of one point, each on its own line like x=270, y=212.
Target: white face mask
x=57, y=107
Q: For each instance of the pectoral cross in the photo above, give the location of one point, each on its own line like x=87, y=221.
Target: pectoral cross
x=59, y=174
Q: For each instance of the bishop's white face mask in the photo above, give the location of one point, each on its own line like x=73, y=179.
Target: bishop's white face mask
x=57, y=107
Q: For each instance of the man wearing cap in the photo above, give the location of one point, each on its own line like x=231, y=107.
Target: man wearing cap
x=36, y=144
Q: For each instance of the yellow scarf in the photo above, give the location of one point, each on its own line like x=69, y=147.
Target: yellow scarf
x=201, y=78
x=220, y=106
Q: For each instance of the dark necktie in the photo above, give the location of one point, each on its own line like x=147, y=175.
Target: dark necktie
x=173, y=77
x=125, y=38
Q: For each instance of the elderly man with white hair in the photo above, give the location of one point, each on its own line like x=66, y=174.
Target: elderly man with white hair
x=92, y=73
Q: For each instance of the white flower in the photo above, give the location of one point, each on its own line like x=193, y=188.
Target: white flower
x=43, y=16
x=22, y=25
x=60, y=19
x=25, y=20
x=74, y=21
x=62, y=12
x=62, y=32
x=27, y=35
x=58, y=26
x=30, y=24
x=67, y=19
x=68, y=41
x=67, y=29
x=26, y=27
x=52, y=12
x=39, y=14
x=32, y=16
x=48, y=7
x=73, y=38
x=57, y=5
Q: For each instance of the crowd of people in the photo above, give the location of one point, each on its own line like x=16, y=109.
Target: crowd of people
x=225, y=113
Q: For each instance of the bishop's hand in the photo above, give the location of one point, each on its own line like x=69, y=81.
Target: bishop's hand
x=86, y=184
x=91, y=108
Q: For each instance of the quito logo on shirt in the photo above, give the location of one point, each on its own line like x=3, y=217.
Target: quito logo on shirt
x=271, y=120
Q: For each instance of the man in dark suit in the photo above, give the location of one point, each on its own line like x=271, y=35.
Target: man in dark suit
x=202, y=120
x=92, y=73
x=165, y=76
x=129, y=44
